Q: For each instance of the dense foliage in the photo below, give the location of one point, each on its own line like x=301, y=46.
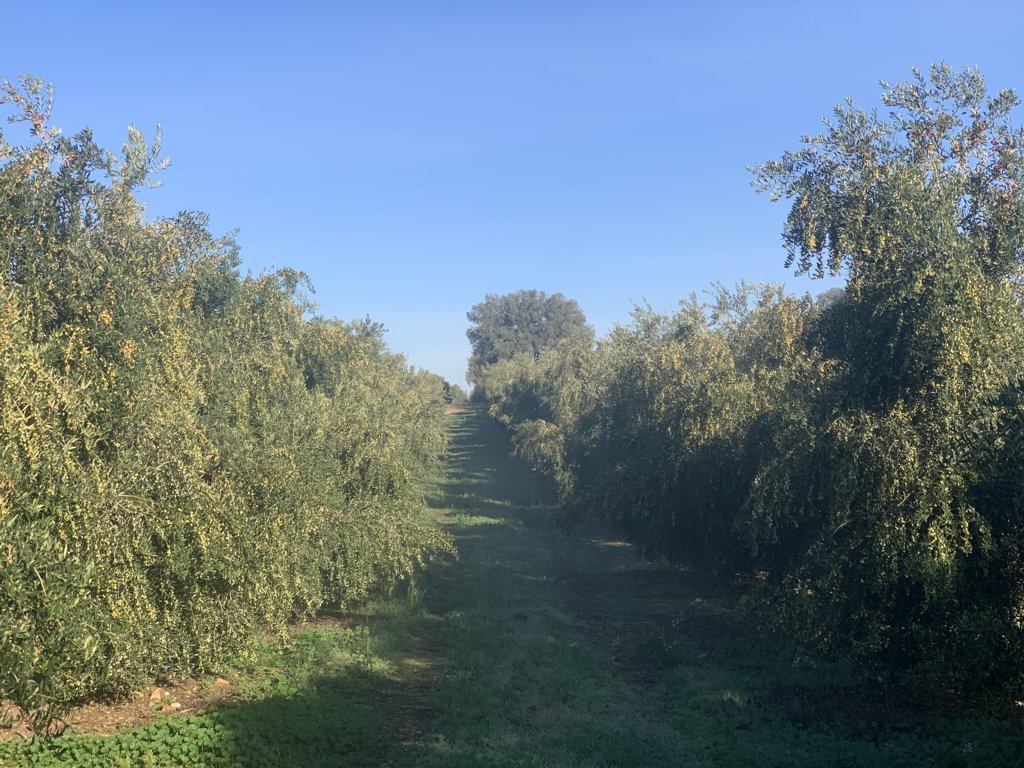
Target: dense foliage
x=858, y=456
x=523, y=323
x=188, y=456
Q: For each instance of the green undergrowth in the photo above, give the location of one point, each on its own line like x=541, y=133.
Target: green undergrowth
x=312, y=700
x=571, y=651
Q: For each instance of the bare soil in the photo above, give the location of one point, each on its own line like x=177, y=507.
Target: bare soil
x=172, y=697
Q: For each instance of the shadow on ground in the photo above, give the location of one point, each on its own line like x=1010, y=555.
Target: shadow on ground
x=568, y=650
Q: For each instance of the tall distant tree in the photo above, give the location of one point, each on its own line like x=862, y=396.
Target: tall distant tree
x=522, y=323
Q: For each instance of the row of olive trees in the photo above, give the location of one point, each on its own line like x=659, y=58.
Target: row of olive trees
x=860, y=456
x=188, y=456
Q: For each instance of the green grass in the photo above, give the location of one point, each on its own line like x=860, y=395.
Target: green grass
x=570, y=651
x=534, y=648
x=523, y=686
x=305, y=704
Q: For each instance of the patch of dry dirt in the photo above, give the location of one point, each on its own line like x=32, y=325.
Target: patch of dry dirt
x=165, y=698
x=173, y=697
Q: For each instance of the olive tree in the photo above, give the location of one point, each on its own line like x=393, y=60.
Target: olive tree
x=888, y=532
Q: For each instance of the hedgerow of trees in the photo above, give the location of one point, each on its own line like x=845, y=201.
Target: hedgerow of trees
x=188, y=456
x=859, y=458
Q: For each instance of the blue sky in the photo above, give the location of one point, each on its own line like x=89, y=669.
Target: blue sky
x=412, y=157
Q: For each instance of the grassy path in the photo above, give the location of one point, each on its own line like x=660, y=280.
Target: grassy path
x=528, y=680
x=569, y=651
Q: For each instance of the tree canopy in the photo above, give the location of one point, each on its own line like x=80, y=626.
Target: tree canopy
x=525, y=322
